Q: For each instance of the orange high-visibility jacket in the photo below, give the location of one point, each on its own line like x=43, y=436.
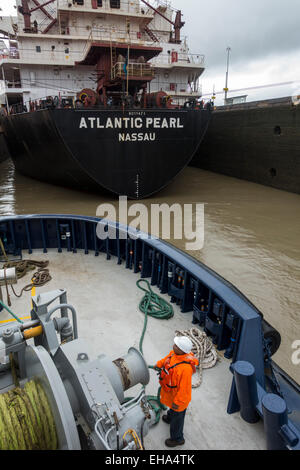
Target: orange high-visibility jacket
x=181, y=395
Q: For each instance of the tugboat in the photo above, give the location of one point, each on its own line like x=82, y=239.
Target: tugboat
x=136, y=128
x=74, y=332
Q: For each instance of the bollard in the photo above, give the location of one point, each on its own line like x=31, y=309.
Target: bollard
x=8, y=276
x=245, y=381
x=275, y=416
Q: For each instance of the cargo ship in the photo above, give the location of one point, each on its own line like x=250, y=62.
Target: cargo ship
x=101, y=95
x=257, y=141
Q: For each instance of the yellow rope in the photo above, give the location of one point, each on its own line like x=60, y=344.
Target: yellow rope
x=135, y=438
x=26, y=421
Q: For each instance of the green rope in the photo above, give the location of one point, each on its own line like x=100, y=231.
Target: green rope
x=157, y=307
x=156, y=404
x=26, y=421
x=9, y=311
x=154, y=306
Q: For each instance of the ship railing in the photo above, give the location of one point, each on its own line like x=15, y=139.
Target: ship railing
x=5, y=84
x=108, y=6
x=183, y=89
x=134, y=69
x=119, y=35
x=198, y=59
x=45, y=102
x=51, y=57
x=12, y=53
x=180, y=59
x=159, y=3
x=87, y=45
x=180, y=88
x=112, y=36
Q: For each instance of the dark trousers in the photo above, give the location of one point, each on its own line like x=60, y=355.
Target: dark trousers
x=176, y=419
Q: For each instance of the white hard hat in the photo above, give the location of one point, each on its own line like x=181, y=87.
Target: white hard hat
x=184, y=343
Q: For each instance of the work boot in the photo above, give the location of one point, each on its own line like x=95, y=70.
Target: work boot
x=170, y=443
x=166, y=419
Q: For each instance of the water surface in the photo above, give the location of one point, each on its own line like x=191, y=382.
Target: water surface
x=252, y=235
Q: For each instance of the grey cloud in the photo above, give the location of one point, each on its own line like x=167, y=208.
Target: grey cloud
x=254, y=30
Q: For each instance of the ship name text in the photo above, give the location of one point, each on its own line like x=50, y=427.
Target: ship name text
x=130, y=123
x=137, y=137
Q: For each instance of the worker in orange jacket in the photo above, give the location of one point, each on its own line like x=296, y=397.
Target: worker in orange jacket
x=175, y=378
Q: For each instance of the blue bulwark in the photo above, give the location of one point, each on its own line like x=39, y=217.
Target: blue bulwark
x=234, y=324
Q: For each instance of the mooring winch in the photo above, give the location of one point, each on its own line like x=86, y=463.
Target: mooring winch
x=82, y=394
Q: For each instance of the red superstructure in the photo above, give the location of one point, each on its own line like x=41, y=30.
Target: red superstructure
x=122, y=70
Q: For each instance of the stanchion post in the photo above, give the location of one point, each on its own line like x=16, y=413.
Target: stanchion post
x=275, y=417
x=246, y=387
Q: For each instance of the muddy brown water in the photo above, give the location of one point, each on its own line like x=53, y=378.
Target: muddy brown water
x=252, y=235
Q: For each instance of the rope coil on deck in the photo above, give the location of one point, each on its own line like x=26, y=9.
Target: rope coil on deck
x=154, y=306
x=26, y=265
x=26, y=420
x=39, y=278
x=203, y=349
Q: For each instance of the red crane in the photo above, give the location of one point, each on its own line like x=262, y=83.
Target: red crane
x=178, y=23
x=26, y=12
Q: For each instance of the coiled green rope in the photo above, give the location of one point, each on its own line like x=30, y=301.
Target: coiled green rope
x=157, y=307
x=26, y=421
x=154, y=306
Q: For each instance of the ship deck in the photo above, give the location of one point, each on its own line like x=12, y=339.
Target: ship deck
x=106, y=299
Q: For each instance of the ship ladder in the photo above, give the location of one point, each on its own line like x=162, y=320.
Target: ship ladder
x=151, y=34
x=113, y=56
x=113, y=59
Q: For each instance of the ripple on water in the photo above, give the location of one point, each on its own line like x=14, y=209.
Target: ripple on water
x=7, y=188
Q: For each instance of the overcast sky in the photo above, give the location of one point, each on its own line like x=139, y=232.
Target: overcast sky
x=264, y=36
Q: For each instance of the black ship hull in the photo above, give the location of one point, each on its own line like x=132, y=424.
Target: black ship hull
x=4, y=153
x=134, y=153
x=258, y=142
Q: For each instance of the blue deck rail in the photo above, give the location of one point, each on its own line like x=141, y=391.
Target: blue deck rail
x=236, y=326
